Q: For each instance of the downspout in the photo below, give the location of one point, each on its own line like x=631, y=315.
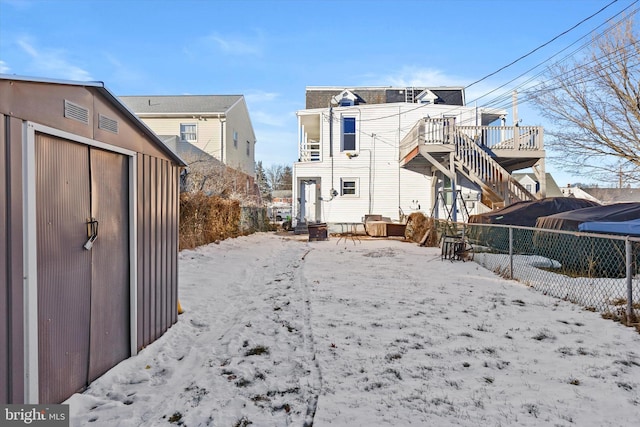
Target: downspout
x=331, y=147
x=222, y=121
x=454, y=202
x=398, y=157
x=371, y=176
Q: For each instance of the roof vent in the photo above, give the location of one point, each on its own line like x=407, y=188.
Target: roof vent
x=76, y=112
x=107, y=123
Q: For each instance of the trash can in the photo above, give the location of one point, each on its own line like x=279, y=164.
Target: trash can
x=318, y=232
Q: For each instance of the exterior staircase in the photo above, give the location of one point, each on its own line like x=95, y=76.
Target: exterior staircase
x=499, y=188
x=439, y=141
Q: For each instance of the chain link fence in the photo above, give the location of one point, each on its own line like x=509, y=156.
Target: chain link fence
x=596, y=271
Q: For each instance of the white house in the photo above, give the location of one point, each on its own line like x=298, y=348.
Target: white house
x=530, y=182
x=392, y=151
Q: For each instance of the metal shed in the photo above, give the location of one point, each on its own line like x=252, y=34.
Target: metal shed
x=88, y=236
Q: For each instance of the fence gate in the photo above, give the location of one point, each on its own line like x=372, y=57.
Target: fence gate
x=83, y=292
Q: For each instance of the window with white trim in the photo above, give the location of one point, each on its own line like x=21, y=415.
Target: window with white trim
x=349, y=187
x=348, y=134
x=189, y=132
x=235, y=139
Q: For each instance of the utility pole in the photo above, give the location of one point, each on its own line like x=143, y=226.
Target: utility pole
x=620, y=177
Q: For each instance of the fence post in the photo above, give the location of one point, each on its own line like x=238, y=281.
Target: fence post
x=628, y=252
x=511, y=253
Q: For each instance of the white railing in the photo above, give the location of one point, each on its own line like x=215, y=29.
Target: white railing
x=473, y=160
x=310, y=151
x=521, y=138
x=479, y=165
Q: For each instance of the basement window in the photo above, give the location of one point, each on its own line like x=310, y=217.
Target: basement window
x=349, y=187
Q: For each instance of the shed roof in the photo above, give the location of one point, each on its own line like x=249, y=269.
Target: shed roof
x=181, y=104
x=113, y=100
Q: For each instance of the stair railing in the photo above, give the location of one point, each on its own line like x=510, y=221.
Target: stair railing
x=481, y=167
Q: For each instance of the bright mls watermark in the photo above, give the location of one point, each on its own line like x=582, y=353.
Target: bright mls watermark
x=34, y=415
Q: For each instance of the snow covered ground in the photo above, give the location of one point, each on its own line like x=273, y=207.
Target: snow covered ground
x=279, y=331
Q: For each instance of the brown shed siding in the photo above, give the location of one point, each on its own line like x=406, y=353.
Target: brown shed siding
x=157, y=248
x=157, y=172
x=64, y=266
x=11, y=266
x=110, y=284
x=4, y=253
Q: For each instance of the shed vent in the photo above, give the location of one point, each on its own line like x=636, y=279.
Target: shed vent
x=76, y=112
x=107, y=123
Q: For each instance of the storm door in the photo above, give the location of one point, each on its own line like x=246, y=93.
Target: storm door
x=83, y=264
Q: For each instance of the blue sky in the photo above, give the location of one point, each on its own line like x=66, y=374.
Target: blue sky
x=269, y=51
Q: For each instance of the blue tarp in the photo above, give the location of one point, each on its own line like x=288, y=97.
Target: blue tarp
x=625, y=228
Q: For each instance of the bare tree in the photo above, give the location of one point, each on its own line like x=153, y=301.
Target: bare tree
x=211, y=177
x=279, y=177
x=594, y=107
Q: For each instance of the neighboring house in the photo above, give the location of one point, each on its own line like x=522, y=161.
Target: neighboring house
x=392, y=151
x=218, y=125
x=283, y=197
x=604, y=196
x=280, y=206
x=89, y=226
x=531, y=183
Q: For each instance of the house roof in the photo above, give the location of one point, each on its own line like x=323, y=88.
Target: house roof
x=552, y=187
x=112, y=99
x=320, y=96
x=181, y=104
x=282, y=193
x=614, y=195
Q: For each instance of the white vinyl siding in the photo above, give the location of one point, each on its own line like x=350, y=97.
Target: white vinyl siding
x=208, y=132
x=349, y=187
x=349, y=133
x=383, y=187
x=238, y=129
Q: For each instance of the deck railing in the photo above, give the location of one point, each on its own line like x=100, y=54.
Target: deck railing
x=474, y=161
x=310, y=151
x=441, y=131
x=521, y=138
x=479, y=166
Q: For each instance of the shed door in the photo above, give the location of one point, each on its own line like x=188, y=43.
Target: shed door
x=83, y=295
x=110, y=256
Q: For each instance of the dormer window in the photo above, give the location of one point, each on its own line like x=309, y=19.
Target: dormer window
x=346, y=98
x=426, y=97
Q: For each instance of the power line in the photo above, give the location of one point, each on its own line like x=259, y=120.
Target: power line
x=541, y=46
x=501, y=98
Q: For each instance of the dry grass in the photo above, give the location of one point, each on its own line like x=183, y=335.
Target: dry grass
x=206, y=219
x=417, y=227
